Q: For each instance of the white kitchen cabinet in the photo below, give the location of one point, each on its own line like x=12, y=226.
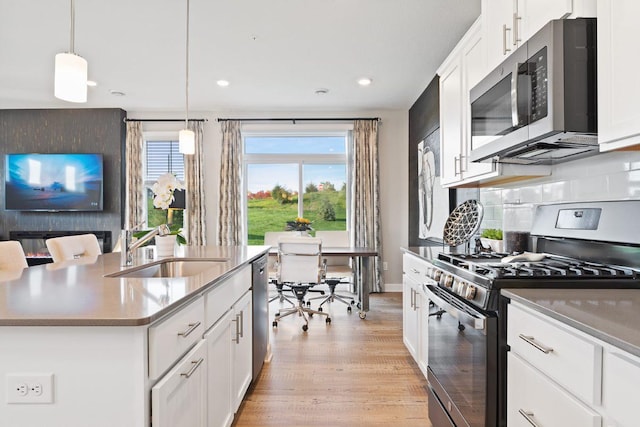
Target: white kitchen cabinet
x=220, y=409
x=180, y=397
x=415, y=310
x=509, y=23
x=620, y=398
x=534, y=399
x=241, y=354
x=618, y=91
x=560, y=376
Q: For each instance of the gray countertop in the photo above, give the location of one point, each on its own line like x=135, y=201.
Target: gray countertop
x=611, y=315
x=79, y=294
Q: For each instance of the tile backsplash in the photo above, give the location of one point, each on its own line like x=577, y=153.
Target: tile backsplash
x=608, y=176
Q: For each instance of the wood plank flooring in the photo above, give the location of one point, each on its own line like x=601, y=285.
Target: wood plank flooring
x=352, y=372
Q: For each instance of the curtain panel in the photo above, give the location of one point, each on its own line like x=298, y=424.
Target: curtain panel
x=194, y=183
x=134, y=200
x=365, y=194
x=230, y=220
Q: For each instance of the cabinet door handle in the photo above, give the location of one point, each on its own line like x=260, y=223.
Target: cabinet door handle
x=456, y=172
x=192, y=327
x=462, y=164
x=237, y=338
x=242, y=324
x=413, y=299
x=528, y=415
x=415, y=271
x=196, y=364
x=531, y=340
x=505, y=49
x=516, y=36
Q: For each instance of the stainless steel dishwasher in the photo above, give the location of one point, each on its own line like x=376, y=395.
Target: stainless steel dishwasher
x=260, y=325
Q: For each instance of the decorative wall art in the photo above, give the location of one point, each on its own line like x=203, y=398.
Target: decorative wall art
x=433, y=200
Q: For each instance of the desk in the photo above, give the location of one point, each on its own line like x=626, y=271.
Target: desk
x=362, y=274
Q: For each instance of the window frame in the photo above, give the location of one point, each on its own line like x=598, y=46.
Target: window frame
x=301, y=159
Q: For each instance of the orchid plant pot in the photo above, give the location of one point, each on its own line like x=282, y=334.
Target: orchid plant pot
x=165, y=245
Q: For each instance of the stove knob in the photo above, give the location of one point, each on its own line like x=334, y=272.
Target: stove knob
x=458, y=287
x=448, y=281
x=436, y=274
x=470, y=293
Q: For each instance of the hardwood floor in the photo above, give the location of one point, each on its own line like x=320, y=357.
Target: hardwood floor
x=350, y=373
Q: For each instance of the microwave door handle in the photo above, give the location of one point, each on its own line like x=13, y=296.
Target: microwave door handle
x=514, y=96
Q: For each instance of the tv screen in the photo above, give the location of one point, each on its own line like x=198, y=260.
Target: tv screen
x=53, y=182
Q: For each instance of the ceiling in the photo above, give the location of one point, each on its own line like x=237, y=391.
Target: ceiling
x=275, y=53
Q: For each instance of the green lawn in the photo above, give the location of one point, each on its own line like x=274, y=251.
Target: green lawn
x=269, y=215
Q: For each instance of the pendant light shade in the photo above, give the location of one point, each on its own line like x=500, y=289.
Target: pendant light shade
x=70, y=81
x=186, y=137
x=187, y=141
x=71, y=77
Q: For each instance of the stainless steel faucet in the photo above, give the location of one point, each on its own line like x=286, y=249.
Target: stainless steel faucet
x=128, y=247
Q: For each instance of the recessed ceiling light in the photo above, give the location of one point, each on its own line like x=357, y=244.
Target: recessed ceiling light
x=116, y=92
x=223, y=83
x=91, y=83
x=365, y=81
x=322, y=91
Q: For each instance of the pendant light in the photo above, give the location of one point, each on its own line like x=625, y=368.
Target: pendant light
x=71, y=71
x=186, y=137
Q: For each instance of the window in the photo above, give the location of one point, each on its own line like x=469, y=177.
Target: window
x=281, y=167
x=161, y=157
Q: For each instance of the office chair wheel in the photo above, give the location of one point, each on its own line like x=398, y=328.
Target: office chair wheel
x=308, y=303
x=305, y=328
x=363, y=315
x=278, y=314
x=274, y=324
x=320, y=309
x=349, y=309
x=352, y=302
x=328, y=320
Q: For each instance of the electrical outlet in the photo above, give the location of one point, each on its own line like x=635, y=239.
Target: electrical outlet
x=29, y=388
x=385, y=266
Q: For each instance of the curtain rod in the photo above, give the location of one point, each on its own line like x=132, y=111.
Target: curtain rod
x=294, y=120
x=163, y=120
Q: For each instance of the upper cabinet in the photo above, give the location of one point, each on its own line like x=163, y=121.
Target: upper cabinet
x=507, y=23
x=618, y=92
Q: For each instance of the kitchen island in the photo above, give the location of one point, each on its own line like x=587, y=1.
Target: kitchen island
x=89, y=343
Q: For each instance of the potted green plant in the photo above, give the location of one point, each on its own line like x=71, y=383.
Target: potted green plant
x=492, y=237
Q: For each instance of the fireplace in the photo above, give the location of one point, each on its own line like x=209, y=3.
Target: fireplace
x=35, y=248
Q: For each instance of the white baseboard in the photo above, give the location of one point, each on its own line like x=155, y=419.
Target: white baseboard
x=393, y=287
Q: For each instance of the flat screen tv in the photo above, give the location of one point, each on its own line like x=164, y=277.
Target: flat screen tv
x=53, y=182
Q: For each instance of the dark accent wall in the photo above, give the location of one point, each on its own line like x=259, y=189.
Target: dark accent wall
x=424, y=120
x=66, y=131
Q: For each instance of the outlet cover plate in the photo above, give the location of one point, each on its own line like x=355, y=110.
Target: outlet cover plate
x=43, y=382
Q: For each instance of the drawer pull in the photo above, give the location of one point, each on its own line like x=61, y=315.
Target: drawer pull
x=237, y=338
x=532, y=341
x=242, y=324
x=195, y=363
x=192, y=327
x=528, y=415
x=415, y=271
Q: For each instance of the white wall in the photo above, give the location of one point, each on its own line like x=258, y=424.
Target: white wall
x=609, y=176
x=393, y=154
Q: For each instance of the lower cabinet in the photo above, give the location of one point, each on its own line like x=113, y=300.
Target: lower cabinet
x=241, y=354
x=218, y=342
x=415, y=310
x=180, y=397
x=560, y=376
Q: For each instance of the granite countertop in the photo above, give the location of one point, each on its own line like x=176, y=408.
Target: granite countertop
x=611, y=315
x=78, y=293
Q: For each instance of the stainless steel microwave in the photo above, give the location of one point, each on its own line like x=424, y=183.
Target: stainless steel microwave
x=540, y=105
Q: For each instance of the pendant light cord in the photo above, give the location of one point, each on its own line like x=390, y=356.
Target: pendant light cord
x=73, y=25
x=186, y=119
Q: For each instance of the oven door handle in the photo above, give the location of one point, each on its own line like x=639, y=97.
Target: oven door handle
x=476, y=320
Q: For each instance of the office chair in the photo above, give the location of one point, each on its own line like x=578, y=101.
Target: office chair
x=271, y=239
x=68, y=248
x=299, y=268
x=338, y=269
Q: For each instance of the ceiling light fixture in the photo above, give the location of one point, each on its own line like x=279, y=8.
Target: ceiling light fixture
x=365, y=81
x=91, y=83
x=186, y=137
x=222, y=83
x=70, y=82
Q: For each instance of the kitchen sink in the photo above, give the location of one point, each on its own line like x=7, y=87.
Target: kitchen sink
x=171, y=268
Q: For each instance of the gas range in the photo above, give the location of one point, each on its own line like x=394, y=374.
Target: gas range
x=577, y=252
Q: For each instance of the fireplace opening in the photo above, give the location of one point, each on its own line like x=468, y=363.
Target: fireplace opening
x=35, y=248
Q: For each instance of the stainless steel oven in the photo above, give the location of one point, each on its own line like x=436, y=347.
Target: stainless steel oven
x=462, y=345
x=579, y=245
